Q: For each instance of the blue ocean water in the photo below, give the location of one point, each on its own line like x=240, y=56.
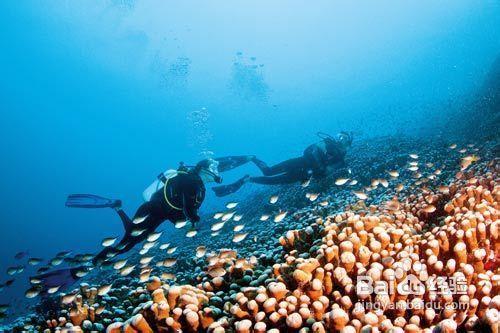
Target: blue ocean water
x=101, y=96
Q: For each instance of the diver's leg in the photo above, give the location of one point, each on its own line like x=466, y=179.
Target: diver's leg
x=126, y=244
x=283, y=167
x=231, y=162
x=111, y=251
x=142, y=212
x=128, y=241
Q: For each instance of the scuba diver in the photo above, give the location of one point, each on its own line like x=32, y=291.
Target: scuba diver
x=317, y=161
x=176, y=195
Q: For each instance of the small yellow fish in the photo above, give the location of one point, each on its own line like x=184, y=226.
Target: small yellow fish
x=217, y=272
x=119, y=264
x=238, y=227
x=306, y=183
x=437, y=172
x=180, y=224
x=32, y=293
x=55, y=262
x=164, y=246
x=231, y=205
x=191, y=233
x=453, y=146
x=413, y=168
x=149, y=245
x=429, y=209
x=462, y=150
x=200, y=251
x=144, y=276
x=312, y=196
x=214, y=234
x=34, y=261
x=393, y=173
x=280, y=217
x=137, y=232
x=471, y=158
x=384, y=182
x=273, y=199
x=126, y=270
x=323, y=203
x=413, y=163
x=239, y=237
x=264, y=217
x=341, y=181
x=414, y=156
x=361, y=195
x=171, y=250
x=108, y=241
x=227, y=216
x=353, y=182
x=53, y=290
x=167, y=276
x=34, y=280
x=399, y=187
x=145, y=260
x=81, y=273
x=103, y=290
x=218, y=215
x=169, y=262
x=237, y=218
x=154, y=236
x=68, y=299
x=217, y=226
x=100, y=310
x=139, y=220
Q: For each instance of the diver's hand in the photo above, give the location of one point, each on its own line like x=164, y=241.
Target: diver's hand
x=193, y=223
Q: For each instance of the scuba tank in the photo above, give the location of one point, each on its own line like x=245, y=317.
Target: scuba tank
x=158, y=184
x=161, y=180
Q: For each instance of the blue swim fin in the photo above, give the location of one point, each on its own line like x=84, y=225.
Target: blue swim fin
x=91, y=201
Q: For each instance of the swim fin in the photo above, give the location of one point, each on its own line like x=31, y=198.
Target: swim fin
x=223, y=190
x=91, y=201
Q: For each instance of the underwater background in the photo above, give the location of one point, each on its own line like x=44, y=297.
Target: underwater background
x=100, y=97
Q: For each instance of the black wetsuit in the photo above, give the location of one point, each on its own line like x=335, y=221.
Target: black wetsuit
x=314, y=162
x=179, y=200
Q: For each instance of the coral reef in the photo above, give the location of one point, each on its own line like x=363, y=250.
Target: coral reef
x=375, y=268
x=421, y=253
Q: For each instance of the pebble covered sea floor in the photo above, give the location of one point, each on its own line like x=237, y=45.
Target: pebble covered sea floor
x=425, y=207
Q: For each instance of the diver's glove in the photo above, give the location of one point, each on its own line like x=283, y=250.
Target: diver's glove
x=193, y=222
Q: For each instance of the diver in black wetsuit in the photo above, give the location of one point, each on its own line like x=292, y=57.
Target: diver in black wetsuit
x=178, y=198
x=316, y=162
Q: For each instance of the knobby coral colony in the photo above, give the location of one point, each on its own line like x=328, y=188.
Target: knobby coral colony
x=444, y=244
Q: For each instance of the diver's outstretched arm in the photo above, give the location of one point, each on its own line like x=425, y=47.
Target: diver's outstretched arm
x=227, y=163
